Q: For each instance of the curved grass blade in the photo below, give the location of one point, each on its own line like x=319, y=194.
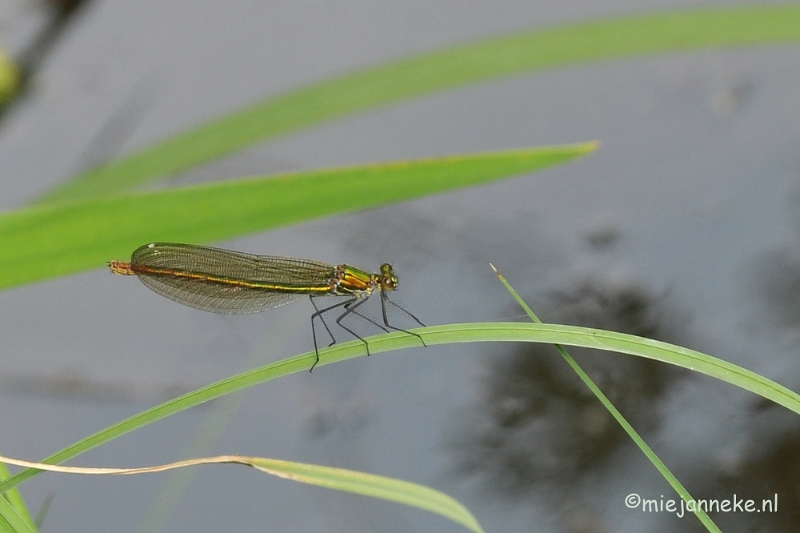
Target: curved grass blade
x=448, y=334
x=60, y=239
x=429, y=72
x=365, y=484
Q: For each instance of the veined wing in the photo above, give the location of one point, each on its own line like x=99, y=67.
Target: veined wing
x=225, y=281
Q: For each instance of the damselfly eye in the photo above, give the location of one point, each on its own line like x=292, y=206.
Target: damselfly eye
x=389, y=283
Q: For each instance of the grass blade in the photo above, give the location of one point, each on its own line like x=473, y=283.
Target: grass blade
x=11, y=521
x=365, y=484
x=362, y=483
x=14, y=498
x=435, y=71
x=448, y=334
x=60, y=239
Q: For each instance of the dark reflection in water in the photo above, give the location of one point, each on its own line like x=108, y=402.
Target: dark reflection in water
x=776, y=280
x=75, y=386
x=768, y=465
x=774, y=276
x=603, y=235
x=538, y=426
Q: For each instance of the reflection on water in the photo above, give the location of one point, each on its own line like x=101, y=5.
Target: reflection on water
x=768, y=462
x=773, y=277
x=776, y=280
x=76, y=386
x=767, y=465
x=538, y=426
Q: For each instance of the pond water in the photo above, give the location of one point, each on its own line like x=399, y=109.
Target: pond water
x=683, y=226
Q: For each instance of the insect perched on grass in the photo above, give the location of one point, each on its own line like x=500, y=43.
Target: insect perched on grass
x=224, y=281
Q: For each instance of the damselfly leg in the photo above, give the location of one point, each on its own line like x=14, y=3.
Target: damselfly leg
x=351, y=306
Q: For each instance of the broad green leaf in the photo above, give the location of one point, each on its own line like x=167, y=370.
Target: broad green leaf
x=429, y=72
x=59, y=239
x=447, y=334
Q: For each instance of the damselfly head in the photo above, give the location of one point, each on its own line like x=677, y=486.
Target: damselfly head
x=388, y=279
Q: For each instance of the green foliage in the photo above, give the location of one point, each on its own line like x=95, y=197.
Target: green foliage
x=58, y=239
x=448, y=68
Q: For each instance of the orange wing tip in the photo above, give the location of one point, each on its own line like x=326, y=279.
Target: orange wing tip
x=122, y=268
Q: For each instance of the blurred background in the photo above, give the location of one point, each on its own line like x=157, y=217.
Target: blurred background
x=684, y=227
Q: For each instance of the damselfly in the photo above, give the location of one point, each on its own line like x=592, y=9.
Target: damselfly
x=224, y=281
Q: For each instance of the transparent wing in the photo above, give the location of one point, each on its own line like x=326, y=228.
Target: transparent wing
x=224, y=281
